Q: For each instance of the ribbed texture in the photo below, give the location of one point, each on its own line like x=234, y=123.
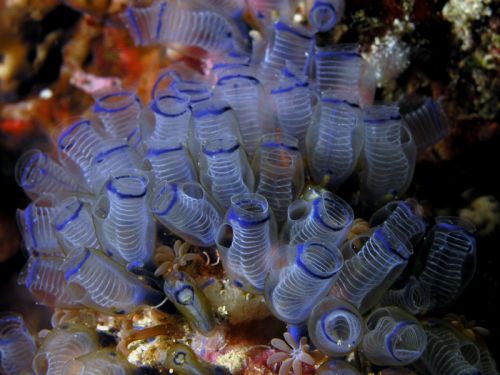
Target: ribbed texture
x=414, y=297
x=17, y=347
x=393, y=338
x=325, y=14
x=172, y=115
x=186, y=211
x=144, y=24
x=101, y=362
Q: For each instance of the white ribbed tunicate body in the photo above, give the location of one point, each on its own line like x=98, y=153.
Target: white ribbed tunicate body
x=44, y=278
x=74, y=226
x=334, y=142
x=101, y=362
x=370, y=270
x=289, y=44
x=128, y=229
x=243, y=92
x=17, y=347
x=170, y=162
x=186, y=211
x=172, y=114
x=388, y=161
x=80, y=142
x=325, y=14
x=414, y=297
x=338, y=68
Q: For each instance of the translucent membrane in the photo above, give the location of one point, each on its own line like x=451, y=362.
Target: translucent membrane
x=294, y=108
x=279, y=172
x=426, y=120
x=224, y=170
x=488, y=365
x=334, y=141
x=187, y=211
x=414, y=297
x=98, y=282
x=450, y=262
x=327, y=217
x=182, y=360
x=446, y=354
x=393, y=337
x=324, y=14
x=37, y=173
x=337, y=367
x=44, y=279
x=197, y=91
x=401, y=219
x=188, y=298
x=79, y=142
x=212, y=119
x=246, y=240
x=74, y=226
x=145, y=23
x=243, y=92
x=62, y=345
x=367, y=275
x=389, y=155
x=172, y=114
x=114, y=158
x=292, y=289
x=291, y=44
x=119, y=112
x=36, y=224
x=232, y=8
x=264, y=8
x=125, y=225
x=100, y=362
x=338, y=68
x=170, y=162
x=335, y=327
x=17, y=347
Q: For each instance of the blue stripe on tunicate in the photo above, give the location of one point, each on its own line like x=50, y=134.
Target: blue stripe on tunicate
x=339, y=101
x=64, y=134
x=172, y=202
x=32, y=274
x=61, y=226
x=102, y=155
x=232, y=216
x=210, y=111
x=156, y=109
x=70, y=272
x=323, y=322
x=163, y=6
x=284, y=27
x=391, y=336
x=221, y=150
x=99, y=108
x=112, y=189
x=29, y=166
x=160, y=151
x=229, y=77
x=381, y=237
x=320, y=4
x=303, y=267
x=28, y=218
x=317, y=216
x=135, y=26
x=280, y=145
x=382, y=120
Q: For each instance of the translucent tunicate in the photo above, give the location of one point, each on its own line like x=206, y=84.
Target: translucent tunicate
x=335, y=326
x=172, y=114
x=187, y=211
x=325, y=14
x=299, y=277
x=17, y=346
x=327, y=217
x=393, y=337
x=413, y=297
x=74, y=226
x=450, y=260
x=389, y=155
x=224, y=169
x=188, y=298
x=246, y=240
x=279, y=172
x=98, y=282
x=125, y=227
x=334, y=141
x=101, y=362
x=183, y=361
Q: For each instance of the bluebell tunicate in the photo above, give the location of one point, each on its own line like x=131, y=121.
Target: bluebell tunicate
x=325, y=14
x=17, y=346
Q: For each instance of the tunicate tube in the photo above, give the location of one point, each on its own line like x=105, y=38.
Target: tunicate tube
x=335, y=327
x=334, y=141
x=74, y=226
x=327, y=217
x=125, y=227
x=100, y=362
x=279, y=172
x=183, y=361
x=172, y=115
x=17, y=346
x=414, y=297
x=224, y=169
x=325, y=14
x=366, y=276
x=37, y=173
x=450, y=262
x=393, y=337
x=98, y=282
x=144, y=23
x=300, y=276
x=246, y=240
x=187, y=211
x=389, y=155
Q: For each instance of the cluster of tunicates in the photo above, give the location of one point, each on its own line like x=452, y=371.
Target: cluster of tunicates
x=221, y=160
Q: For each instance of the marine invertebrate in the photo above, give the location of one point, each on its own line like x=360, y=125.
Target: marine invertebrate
x=291, y=354
x=172, y=258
